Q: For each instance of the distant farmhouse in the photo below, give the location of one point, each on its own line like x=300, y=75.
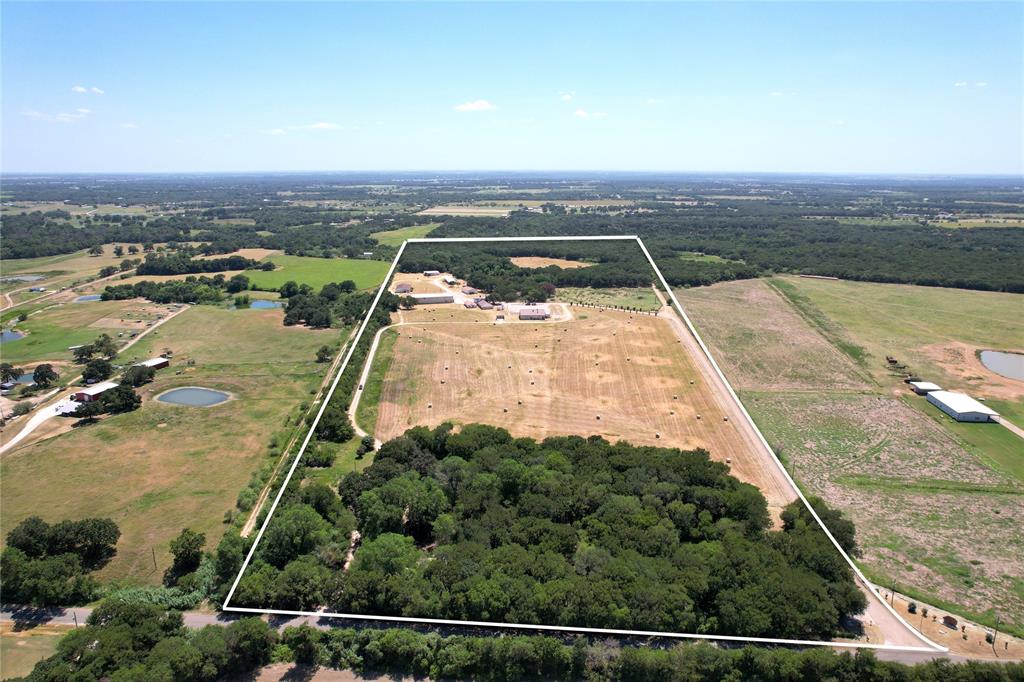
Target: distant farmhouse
x=534, y=312
x=431, y=273
x=961, y=407
x=403, y=288
x=87, y=395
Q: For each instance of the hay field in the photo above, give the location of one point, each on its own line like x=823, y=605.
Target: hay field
x=396, y=237
x=851, y=432
x=163, y=467
x=541, y=262
x=625, y=369
x=482, y=211
x=420, y=284
x=317, y=272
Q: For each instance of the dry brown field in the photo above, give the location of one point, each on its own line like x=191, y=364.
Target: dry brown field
x=255, y=254
x=540, y=262
x=557, y=378
x=485, y=211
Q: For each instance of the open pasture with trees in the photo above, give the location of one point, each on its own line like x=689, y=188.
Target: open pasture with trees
x=476, y=525
x=164, y=467
x=612, y=374
x=49, y=332
x=317, y=272
x=396, y=237
x=937, y=504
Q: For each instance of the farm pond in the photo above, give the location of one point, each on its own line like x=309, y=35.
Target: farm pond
x=193, y=396
x=10, y=335
x=1009, y=365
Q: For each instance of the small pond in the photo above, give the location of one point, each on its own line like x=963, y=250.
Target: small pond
x=10, y=335
x=1010, y=365
x=193, y=396
x=25, y=379
x=88, y=297
x=264, y=304
x=22, y=278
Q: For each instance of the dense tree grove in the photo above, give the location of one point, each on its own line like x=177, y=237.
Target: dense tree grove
x=568, y=531
x=192, y=289
x=47, y=565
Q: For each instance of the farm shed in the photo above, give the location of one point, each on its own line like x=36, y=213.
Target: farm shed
x=468, y=291
x=534, y=312
x=424, y=299
x=449, y=280
x=470, y=304
x=431, y=273
x=87, y=395
x=924, y=387
x=961, y=407
x=403, y=288
x=483, y=305
x=155, y=363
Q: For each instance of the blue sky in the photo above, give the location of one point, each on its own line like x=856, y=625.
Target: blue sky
x=788, y=87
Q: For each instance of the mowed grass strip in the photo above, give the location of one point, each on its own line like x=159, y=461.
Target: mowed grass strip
x=369, y=401
x=396, y=237
x=164, y=467
x=317, y=272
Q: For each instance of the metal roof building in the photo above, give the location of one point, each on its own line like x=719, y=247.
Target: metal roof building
x=923, y=387
x=534, y=312
x=422, y=299
x=403, y=288
x=91, y=393
x=961, y=407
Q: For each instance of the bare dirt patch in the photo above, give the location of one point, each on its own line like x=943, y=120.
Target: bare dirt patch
x=540, y=262
x=961, y=361
x=255, y=254
x=419, y=283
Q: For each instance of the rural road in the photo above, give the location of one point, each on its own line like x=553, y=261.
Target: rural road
x=894, y=629
x=1016, y=430
x=12, y=304
x=41, y=413
x=199, y=619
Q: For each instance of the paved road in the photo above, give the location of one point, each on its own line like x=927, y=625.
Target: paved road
x=1016, y=430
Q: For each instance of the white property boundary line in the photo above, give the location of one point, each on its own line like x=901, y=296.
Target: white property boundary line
x=931, y=648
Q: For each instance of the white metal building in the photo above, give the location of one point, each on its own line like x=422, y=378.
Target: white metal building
x=534, y=312
x=961, y=407
x=924, y=387
x=422, y=299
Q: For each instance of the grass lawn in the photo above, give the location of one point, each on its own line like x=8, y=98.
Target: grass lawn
x=51, y=331
x=344, y=462
x=396, y=237
x=21, y=650
x=642, y=298
x=317, y=272
x=164, y=467
x=369, y=402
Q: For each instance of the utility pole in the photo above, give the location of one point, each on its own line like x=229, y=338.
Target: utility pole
x=153, y=549
x=995, y=634
x=74, y=614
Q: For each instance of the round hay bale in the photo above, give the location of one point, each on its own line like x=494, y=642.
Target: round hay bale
x=599, y=417
x=675, y=397
x=698, y=416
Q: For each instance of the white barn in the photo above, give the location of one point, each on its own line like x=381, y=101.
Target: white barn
x=924, y=387
x=423, y=299
x=961, y=407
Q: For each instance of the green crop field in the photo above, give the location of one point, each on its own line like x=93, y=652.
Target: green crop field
x=643, y=298
x=163, y=467
x=317, y=272
x=811, y=369
x=396, y=237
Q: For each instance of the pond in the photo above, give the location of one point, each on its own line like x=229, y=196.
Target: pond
x=22, y=278
x=261, y=304
x=193, y=396
x=1010, y=365
x=88, y=297
x=10, y=335
x=25, y=379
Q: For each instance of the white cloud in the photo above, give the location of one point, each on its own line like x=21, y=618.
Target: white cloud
x=130, y=126
x=980, y=84
x=79, y=88
x=476, y=105
x=960, y=84
x=62, y=117
x=652, y=101
x=321, y=125
x=567, y=96
x=581, y=113
x=95, y=90
x=275, y=131
x=776, y=93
